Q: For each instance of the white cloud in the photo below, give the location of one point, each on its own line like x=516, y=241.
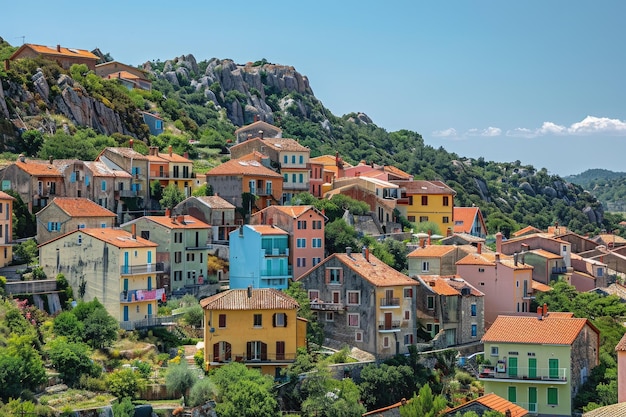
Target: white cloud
x=590, y=125
x=447, y=133
x=492, y=131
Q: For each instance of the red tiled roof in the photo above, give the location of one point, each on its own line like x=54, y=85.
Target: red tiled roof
x=439, y=285
x=81, y=207
x=278, y=144
x=117, y=237
x=489, y=258
x=259, y=299
x=621, y=345
x=375, y=271
x=464, y=218
x=538, y=286
x=526, y=230
x=243, y=167
x=425, y=187
x=267, y=230
x=38, y=168
x=123, y=75
x=552, y=329
x=493, y=402
x=63, y=51
x=431, y=251
x=126, y=152
x=546, y=254
x=5, y=196
x=293, y=211
x=177, y=222
x=99, y=169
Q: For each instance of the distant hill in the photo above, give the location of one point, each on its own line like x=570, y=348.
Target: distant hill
x=608, y=187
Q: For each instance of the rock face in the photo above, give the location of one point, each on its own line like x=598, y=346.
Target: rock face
x=243, y=89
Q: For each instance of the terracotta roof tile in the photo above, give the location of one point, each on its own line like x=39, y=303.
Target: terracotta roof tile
x=5, y=196
x=127, y=152
x=38, y=168
x=526, y=230
x=215, y=202
x=489, y=258
x=278, y=144
x=621, y=345
x=538, y=286
x=546, y=254
x=48, y=50
x=243, y=167
x=260, y=299
x=292, y=211
x=425, y=187
x=464, y=218
x=117, y=237
x=267, y=230
x=123, y=75
x=555, y=330
x=375, y=271
x=493, y=402
x=431, y=251
x=81, y=207
x=439, y=285
x=100, y=169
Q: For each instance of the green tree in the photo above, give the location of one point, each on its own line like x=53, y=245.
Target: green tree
x=21, y=367
x=194, y=316
x=424, y=405
x=100, y=329
x=125, y=383
x=123, y=408
x=243, y=392
x=24, y=224
x=71, y=360
x=26, y=251
x=328, y=397
x=67, y=324
x=172, y=195
x=29, y=142
x=338, y=235
x=156, y=190
x=315, y=333
x=179, y=378
x=384, y=384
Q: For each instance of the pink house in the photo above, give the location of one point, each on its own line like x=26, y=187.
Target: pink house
x=305, y=225
x=506, y=282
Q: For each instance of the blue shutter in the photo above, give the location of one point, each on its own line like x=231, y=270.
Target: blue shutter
x=73, y=177
x=86, y=179
x=49, y=226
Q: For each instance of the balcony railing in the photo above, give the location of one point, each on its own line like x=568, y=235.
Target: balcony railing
x=152, y=321
x=389, y=302
x=132, y=296
x=559, y=269
x=125, y=193
x=277, y=252
x=394, y=325
x=551, y=375
x=142, y=269
x=319, y=305
x=277, y=272
x=243, y=357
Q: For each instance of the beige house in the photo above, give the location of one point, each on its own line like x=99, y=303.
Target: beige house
x=213, y=210
x=134, y=163
x=115, y=266
x=65, y=214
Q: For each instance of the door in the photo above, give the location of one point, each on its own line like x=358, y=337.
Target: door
x=388, y=321
x=149, y=310
x=125, y=313
x=126, y=262
x=532, y=399
x=532, y=368
x=126, y=285
x=553, y=364
x=388, y=297
x=149, y=261
x=512, y=394
x=513, y=367
x=149, y=283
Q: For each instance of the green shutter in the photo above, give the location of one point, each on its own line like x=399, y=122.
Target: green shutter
x=513, y=367
x=553, y=364
x=532, y=399
x=553, y=396
x=512, y=394
x=532, y=368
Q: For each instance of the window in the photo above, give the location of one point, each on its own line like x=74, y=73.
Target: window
x=280, y=320
x=446, y=200
x=314, y=295
x=258, y=320
x=408, y=339
x=553, y=396
x=407, y=314
x=145, y=234
x=353, y=320
x=302, y=159
x=330, y=316
x=191, y=257
x=317, y=224
x=256, y=350
x=333, y=275
x=80, y=239
x=178, y=237
x=430, y=302
x=408, y=292
x=473, y=310
x=316, y=261
x=54, y=226
x=481, y=270
x=178, y=275
x=424, y=200
x=445, y=219
x=386, y=341
x=354, y=297
x=411, y=219
x=474, y=330
x=301, y=178
x=178, y=257
x=358, y=336
x=293, y=159
x=285, y=177
x=103, y=225
x=429, y=327
x=317, y=242
x=268, y=188
x=301, y=262
x=285, y=159
x=222, y=321
x=103, y=185
x=301, y=242
x=425, y=266
x=600, y=272
x=301, y=224
x=293, y=178
x=494, y=350
x=423, y=219
x=81, y=226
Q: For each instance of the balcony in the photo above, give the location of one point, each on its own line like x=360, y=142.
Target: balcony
x=156, y=268
x=277, y=252
x=534, y=375
x=389, y=302
x=300, y=186
x=277, y=272
x=559, y=269
x=125, y=194
x=151, y=321
x=255, y=359
x=322, y=306
x=135, y=296
x=389, y=326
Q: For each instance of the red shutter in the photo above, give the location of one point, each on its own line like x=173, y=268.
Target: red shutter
x=216, y=352
x=222, y=321
x=280, y=351
x=327, y=276
x=263, y=351
x=249, y=350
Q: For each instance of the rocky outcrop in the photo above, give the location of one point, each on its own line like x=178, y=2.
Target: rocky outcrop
x=482, y=189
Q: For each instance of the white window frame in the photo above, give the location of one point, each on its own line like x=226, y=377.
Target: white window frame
x=349, y=293
x=425, y=266
x=352, y=316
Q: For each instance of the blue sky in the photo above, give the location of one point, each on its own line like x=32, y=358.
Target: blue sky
x=537, y=81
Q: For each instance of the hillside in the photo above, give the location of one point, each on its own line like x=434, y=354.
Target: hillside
x=207, y=100
x=607, y=186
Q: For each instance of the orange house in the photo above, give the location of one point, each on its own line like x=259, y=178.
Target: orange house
x=65, y=57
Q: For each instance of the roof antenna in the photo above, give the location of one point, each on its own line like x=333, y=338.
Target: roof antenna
x=23, y=38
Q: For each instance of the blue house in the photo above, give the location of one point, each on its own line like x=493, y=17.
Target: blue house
x=259, y=257
x=154, y=122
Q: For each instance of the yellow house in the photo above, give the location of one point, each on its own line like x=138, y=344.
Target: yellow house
x=427, y=201
x=258, y=327
x=113, y=265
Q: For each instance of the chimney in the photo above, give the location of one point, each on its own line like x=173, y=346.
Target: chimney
x=499, y=242
x=168, y=212
x=545, y=310
x=133, y=230
x=169, y=150
x=186, y=155
x=366, y=253
x=50, y=159
x=261, y=134
x=539, y=313
x=515, y=259
x=58, y=48
x=249, y=291
x=22, y=158
x=130, y=144
x=498, y=257
x=256, y=117
x=479, y=248
x=349, y=251
x=429, y=233
x=181, y=219
x=241, y=231
x=525, y=247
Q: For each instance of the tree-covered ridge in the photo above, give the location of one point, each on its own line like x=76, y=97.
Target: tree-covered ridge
x=607, y=186
x=203, y=101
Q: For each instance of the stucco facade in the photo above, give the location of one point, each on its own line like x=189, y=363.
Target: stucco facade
x=6, y=229
x=134, y=163
x=362, y=302
x=212, y=210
